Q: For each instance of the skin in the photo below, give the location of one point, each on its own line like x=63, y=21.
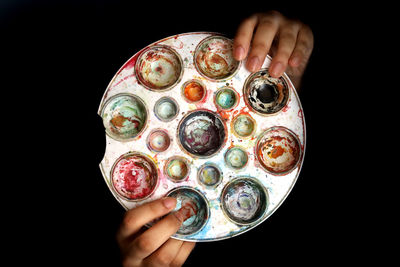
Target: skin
x=290, y=43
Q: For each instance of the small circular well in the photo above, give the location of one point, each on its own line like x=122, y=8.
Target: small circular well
x=244, y=200
x=194, y=208
x=193, y=91
x=236, y=158
x=243, y=125
x=124, y=116
x=177, y=168
x=265, y=95
x=226, y=98
x=166, y=109
x=201, y=133
x=278, y=150
x=134, y=176
x=209, y=175
x=213, y=58
x=158, y=140
x=159, y=68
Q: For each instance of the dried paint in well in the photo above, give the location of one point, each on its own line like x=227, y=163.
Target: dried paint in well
x=134, y=176
x=243, y=125
x=264, y=94
x=236, y=158
x=201, y=133
x=244, y=200
x=193, y=91
x=278, y=150
x=166, y=109
x=194, y=207
x=159, y=68
x=226, y=98
x=209, y=175
x=177, y=169
x=124, y=116
x=158, y=140
x=214, y=59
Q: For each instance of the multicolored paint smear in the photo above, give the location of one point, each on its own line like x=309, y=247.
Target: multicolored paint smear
x=278, y=150
x=159, y=68
x=134, y=176
x=209, y=175
x=202, y=133
x=214, y=58
x=192, y=204
x=177, y=168
x=244, y=200
x=264, y=94
x=124, y=116
x=243, y=125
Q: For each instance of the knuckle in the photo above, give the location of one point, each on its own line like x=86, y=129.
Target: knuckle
x=128, y=219
x=164, y=259
x=144, y=244
x=273, y=14
x=259, y=46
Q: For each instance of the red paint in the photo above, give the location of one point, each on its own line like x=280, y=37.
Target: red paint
x=133, y=177
x=188, y=209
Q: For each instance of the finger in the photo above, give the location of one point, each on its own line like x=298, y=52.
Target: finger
x=303, y=48
x=183, y=253
x=262, y=40
x=156, y=236
x=135, y=218
x=241, y=42
x=165, y=254
x=286, y=44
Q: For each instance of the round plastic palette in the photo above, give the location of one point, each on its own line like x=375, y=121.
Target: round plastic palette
x=184, y=119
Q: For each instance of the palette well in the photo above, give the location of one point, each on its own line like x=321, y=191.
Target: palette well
x=184, y=119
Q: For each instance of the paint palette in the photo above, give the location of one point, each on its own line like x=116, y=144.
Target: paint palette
x=184, y=119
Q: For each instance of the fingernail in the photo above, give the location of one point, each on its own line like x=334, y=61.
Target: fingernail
x=239, y=52
x=253, y=64
x=277, y=69
x=169, y=202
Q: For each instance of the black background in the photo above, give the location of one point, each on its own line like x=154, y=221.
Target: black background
x=60, y=57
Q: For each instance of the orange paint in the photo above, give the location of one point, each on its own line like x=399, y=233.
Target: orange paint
x=277, y=152
x=194, y=91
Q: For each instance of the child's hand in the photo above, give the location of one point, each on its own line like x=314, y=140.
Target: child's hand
x=289, y=42
x=153, y=247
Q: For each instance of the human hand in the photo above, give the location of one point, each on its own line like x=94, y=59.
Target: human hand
x=289, y=43
x=153, y=247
